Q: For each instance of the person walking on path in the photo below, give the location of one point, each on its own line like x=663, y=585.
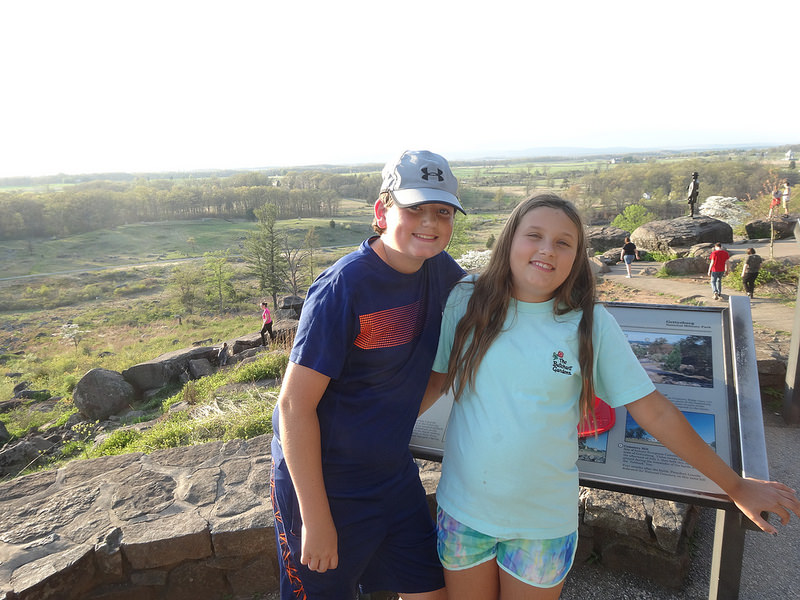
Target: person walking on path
x=266, y=319
x=750, y=269
x=629, y=253
x=717, y=269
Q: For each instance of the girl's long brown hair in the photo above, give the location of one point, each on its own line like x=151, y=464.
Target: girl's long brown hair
x=487, y=308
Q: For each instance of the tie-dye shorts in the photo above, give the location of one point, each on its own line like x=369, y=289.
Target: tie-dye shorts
x=540, y=563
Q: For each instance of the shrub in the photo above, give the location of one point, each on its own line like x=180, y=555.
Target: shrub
x=632, y=217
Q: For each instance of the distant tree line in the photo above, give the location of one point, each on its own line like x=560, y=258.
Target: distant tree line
x=600, y=192
x=101, y=204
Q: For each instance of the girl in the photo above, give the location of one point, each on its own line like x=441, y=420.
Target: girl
x=629, y=253
x=266, y=320
x=525, y=348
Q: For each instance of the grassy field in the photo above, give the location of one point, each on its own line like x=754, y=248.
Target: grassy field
x=164, y=242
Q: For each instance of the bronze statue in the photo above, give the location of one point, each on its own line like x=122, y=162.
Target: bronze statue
x=692, y=191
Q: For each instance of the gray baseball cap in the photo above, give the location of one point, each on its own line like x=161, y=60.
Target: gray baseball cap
x=420, y=177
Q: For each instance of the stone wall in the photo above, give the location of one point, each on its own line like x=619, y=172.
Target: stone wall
x=195, y=523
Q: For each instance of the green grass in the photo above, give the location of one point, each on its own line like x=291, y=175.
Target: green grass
x=169, y=241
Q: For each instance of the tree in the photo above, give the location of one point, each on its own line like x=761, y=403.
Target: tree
x=311, y=244
x=293, y=258
x=632, y=217
x=263, y=253
x=218, y=276
x=185, y=280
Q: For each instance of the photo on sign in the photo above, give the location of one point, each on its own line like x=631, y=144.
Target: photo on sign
x=593, y=449
x=675, y=359
x=703, y=423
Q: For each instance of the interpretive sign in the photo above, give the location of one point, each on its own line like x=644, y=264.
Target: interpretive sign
x=687, y=352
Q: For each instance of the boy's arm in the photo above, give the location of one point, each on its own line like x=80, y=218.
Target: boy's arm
x=661, y=418
x=300, y=394
x=433, y=392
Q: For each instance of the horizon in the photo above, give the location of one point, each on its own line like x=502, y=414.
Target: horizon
x=567, y=153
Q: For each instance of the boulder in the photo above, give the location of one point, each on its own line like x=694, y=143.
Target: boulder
x=245, y=342
x=22, y=385
x=760, y=228
x=102, y=393
x=200, y=367
x=172, y=367
x=605, y=238
x=674, y=235
x=598, y=266
x=686, y=266
x=4, y=435
x=291, y=307
x=22, y=454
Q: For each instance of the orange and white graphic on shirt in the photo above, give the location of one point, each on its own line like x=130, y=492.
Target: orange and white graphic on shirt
x=391, y=327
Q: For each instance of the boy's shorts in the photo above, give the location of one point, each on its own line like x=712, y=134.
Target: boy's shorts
x=540, y=563
x=385, y=543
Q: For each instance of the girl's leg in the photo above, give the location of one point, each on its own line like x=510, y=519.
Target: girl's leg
x=512, y=588
x=480, y=582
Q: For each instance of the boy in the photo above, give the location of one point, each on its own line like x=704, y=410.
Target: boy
x=718, y=268
x=349, y=507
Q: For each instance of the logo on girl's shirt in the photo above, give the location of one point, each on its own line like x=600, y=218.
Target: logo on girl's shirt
x=560, y=365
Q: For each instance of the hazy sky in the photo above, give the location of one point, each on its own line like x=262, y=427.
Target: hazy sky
x=117, y=85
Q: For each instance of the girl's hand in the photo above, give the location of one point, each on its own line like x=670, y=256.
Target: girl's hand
x=754, y=496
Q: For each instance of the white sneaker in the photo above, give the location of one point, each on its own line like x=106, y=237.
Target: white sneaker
x=627, y=276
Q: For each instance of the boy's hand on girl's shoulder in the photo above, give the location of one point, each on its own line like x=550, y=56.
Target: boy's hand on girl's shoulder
x=320, y=547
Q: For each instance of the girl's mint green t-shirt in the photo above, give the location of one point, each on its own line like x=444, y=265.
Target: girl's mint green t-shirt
x=509, y=467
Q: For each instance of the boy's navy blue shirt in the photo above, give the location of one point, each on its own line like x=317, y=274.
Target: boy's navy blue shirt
x=374, y=332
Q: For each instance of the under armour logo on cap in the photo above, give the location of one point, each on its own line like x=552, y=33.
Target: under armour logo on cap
x=420, y=177
x=427, y=175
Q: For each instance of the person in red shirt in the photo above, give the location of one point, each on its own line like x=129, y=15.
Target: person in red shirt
x=717, y=269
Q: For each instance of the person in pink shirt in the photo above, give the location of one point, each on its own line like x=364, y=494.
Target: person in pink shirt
x=717, y=269
x=266, y=319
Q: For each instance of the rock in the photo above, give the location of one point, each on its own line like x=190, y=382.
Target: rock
x=24, y=453
x=760, y=228
x=293, y=304
x=598, y=266
x=200, y=367
x=686, y=266
x=22, y=385
x=166, y=369
x=101, y=393
x=605, y=238
x=641, y=535
x=245, y=342
x=7, y=405
x=32, y=394
x=4, y=435
x=683, y=232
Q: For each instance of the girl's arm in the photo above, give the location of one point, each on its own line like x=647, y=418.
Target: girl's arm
x=661, y=418
x=300, y=394
x=433, y=392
